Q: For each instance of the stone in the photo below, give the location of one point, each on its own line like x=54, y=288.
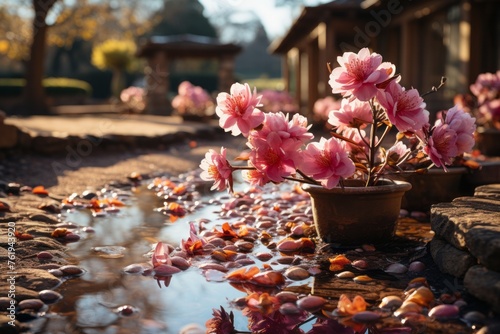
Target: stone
x=449, y=259
x=6, y=328
x=21, y=293
x=484, y=284
x=473, y=224
x=488, y=191
x=8, y=139
x=36, y=279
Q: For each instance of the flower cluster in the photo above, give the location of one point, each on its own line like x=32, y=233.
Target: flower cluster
x=484, y=104
x=373, y=102
x=193, y=100
x=322, y=107
x=133, y=99
x=277, y=100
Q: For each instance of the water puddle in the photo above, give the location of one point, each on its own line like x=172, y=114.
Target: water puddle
x=92, y=302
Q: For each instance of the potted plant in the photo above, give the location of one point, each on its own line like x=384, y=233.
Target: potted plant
x=132, y=100
x=349, y=174
x=484, y=105
x=193, y=103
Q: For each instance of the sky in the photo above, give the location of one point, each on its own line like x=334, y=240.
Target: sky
x=276, y=20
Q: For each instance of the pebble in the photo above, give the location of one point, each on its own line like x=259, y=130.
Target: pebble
x=296, y=273
x=396, y=268
x=264, y=256
x=345, y=274
x=419, y=215
x=474, y=318
x=56, y=272
x=30, y=304
x=444, y=312
x=244, y=246
x=361, y=264
x=180, y=262
x=368, y=248
x=44, y=255
x=72, y=270
x=366, y=317
x=134, y=268
x=362, y=279
x=391, y=302
x=311, y=303
x=49, y=296
x=287, y=297
x=289, y=309
x=126, y=310
x=416, y=267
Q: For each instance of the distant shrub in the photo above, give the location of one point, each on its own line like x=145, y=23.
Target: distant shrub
x=54, y=87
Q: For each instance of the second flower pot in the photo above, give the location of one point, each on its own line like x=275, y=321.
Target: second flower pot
x=354, y=214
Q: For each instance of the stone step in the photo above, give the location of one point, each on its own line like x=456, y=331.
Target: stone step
x=471, y=224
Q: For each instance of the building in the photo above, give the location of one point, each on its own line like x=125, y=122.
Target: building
x=425, y=39
x=168, y=54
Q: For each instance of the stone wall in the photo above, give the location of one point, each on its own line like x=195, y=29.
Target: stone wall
x=467, y=241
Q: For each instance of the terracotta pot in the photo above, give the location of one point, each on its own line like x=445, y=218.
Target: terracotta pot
x=355, y=214
x=435, y=186
x=488, y=141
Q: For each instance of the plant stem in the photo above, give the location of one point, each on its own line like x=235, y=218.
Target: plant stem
x=373, y=148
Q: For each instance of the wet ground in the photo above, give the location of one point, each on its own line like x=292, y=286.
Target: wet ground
x=116, y=291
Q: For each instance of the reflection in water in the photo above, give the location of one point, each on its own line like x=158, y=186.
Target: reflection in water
x=90, y=303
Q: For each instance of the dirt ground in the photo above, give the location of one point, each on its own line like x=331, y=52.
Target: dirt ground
x=62, y=175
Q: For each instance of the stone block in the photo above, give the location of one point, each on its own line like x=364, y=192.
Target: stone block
x=449, y=259
x=484, y=284
x=473, y=224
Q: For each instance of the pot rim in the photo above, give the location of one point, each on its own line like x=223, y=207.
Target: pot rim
x=391, y=186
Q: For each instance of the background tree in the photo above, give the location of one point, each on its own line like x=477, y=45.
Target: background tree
x=61, y=23
x=116, y=55
x=183, y=17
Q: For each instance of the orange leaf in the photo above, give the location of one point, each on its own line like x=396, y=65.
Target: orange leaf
x=338, y=263
x=115, y=202
x=40, y=190
x=347, y=307
x=180, y=190
x=23, y=236
x=243, y=274
x=59, y=232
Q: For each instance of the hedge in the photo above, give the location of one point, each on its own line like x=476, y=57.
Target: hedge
x=53, y=87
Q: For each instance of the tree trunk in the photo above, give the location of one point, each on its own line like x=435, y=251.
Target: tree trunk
x=34, y=101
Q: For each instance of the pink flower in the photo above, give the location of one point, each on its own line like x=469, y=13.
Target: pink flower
x=405, y=108
x=274, y=156
x=327, y=162
x=396, y=152
x=160, y=255
x=464, y=125
x=360, y=151
x=238, y=111
x=352, y=114
x=216, y=168
x=255, y=177
x=359, y=74
x=322, y=108
x=441, y=146
x=486, y=87
x=296, y=129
